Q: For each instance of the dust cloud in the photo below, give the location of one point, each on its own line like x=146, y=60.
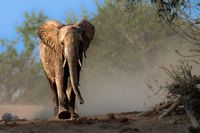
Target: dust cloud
x=115, y=94
x=110, y=91
x=105, y=93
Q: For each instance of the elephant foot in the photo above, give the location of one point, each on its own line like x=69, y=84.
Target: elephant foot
x=63, y=114
x=74, y=116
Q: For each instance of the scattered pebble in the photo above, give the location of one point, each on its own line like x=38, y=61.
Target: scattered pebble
x=8, y=117
x=129, y=130
x=122, y=120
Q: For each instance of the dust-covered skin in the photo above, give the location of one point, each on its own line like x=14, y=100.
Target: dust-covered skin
x=61, y=51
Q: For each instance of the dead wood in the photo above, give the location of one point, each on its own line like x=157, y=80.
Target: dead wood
x=173, y=106
x=157, y=109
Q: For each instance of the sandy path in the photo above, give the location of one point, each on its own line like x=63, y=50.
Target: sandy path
x=110, y=123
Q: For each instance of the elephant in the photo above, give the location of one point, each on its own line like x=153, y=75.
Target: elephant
x=61, y=50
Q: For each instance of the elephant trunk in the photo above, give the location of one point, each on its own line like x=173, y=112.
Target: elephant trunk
x=71, y=56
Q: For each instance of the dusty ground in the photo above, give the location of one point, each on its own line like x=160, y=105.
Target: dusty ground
x=110, y=123
x=27, y=111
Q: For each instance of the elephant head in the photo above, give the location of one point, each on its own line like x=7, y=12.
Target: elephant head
x=70, y=42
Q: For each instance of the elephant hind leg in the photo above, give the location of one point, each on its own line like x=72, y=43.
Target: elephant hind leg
x=55, y=96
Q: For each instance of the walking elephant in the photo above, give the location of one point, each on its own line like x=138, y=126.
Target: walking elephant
x=61, y=49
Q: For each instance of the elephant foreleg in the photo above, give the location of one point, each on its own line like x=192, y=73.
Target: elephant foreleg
x=72, y=100
x=63, y=111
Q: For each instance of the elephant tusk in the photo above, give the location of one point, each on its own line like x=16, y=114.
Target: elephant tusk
x=85, y=54
x=80, y=99
x=64, y=63
x=79, y=62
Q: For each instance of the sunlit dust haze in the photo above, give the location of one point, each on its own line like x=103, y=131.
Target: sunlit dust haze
x=106, y=92
x=124, y=56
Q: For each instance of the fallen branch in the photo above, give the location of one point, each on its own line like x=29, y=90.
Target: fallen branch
x=146, y=113
x=157, y=109
x=176, y=103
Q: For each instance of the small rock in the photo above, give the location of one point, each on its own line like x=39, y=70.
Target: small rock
x=109, y=117
x=122, y=120
x=104, y=126
x=128, y=129
x=81, y=120
x=15, y=118
x=7, y=117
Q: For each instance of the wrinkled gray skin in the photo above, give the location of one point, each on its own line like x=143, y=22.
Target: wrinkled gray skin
x=61, y=51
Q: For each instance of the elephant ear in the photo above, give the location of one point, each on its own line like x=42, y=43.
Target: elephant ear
x=48, y=33
x=88, y=33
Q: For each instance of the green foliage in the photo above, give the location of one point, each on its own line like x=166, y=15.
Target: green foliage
x=71, y=18
x=181, y=15
x=21, y=75
x=126, y=46
x=28, y=30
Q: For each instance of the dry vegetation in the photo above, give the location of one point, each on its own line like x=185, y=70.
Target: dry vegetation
x=183, y=95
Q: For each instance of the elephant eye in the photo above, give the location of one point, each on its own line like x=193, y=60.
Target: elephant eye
x=62, y=43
